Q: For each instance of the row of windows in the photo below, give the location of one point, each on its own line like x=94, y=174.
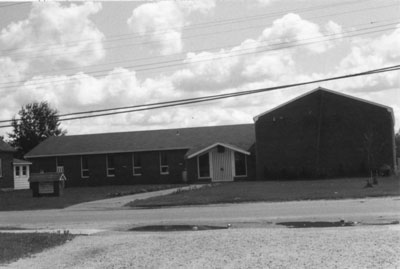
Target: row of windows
x=240, y=167
x=110, y=165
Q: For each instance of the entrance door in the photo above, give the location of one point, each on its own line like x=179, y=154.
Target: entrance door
x=222, y=164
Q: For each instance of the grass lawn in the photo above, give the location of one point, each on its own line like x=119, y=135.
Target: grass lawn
x=15, y=246
x=23, y=200
x=236, y=192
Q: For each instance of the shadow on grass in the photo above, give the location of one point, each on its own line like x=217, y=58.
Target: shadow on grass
x=23, y=200
x=19, y=245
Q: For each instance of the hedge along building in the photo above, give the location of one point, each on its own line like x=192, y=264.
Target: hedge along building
x=220, y=153
x=322, y=133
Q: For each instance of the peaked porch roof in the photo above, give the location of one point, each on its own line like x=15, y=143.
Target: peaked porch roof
x=199, y=150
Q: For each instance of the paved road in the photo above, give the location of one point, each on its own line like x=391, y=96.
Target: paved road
x=367, y=210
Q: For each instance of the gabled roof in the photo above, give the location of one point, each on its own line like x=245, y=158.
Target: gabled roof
x=326, y=90
x=241, y=136
x=6, y=147
x=19, y=161
x=197, y=151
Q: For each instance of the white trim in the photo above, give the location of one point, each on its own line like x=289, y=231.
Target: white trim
x=22, y=163
x=17, y=168
x=163, y=166
x=209, y=166
x=84, y=169
x=59, y=169
x=133, y=165
x=109, y=168
x=233, y=167
x=326, y=90
x=102, y=152
x=218, y=144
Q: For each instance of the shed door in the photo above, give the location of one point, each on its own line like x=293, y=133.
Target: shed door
x=21, y=177
x=222, y=164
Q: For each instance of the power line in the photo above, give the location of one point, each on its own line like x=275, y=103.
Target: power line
x=222, y=22
x=178, y=62
x=62, y=47
x=210, y=97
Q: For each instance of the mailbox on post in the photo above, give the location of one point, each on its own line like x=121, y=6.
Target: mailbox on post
x=47, y=184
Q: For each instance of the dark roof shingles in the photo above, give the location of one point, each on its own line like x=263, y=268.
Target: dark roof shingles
x=242, y=136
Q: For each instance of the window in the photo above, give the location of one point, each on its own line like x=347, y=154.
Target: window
x=137, y=164
x=60, y=165
x=110, y=166
x=240, y=164
x=84, y=167
x=1, y=168
x=204, y=165
x=24, y=170
x=164, y=169
x=17, y=171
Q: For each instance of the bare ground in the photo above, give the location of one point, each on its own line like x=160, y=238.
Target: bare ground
x=344, y=247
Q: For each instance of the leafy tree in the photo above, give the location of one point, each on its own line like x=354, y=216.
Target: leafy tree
x=37, y=121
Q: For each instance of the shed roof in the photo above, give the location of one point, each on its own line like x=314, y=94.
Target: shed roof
x=241, y=136
x=19, y=161
x=6, y=147
x=46, y=177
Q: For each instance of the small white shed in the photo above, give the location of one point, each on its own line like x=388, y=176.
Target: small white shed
x=21, y=174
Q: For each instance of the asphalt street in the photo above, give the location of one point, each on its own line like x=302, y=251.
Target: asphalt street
x=361, y=210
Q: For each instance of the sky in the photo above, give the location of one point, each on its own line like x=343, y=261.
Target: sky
x=82, y=56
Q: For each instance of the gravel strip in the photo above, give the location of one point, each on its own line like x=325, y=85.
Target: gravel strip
x=346, y=247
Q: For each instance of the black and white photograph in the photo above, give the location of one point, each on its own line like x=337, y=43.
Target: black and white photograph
x=200, y=134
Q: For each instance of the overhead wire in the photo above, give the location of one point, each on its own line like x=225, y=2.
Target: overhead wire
x=229, y=21
x=208, y=98
x=228, y=54
x=63, y=47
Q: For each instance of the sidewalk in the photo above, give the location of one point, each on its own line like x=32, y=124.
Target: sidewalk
x=119, y=202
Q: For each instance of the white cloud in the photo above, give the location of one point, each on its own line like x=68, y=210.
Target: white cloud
x=292, y=30
x=82, y=91
x=251, y=61
x=266, y=2
x=189, y=6
x=162, y=22
x=10, y=71
x=55, y=33
x=373, y=53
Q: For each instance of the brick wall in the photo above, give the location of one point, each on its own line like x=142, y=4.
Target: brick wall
x=123, y=168
x=323, y=135
x=7, y=179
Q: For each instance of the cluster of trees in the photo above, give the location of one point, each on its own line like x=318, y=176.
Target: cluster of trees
x=35, y=122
